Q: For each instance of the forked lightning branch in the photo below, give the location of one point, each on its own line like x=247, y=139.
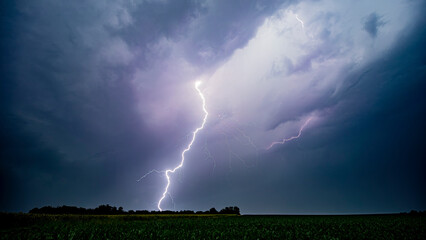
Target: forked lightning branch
x=182, y=161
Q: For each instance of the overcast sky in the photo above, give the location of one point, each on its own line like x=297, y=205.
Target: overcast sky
x=95, y=94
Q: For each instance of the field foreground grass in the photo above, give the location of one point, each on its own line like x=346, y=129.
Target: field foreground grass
x=38, y=226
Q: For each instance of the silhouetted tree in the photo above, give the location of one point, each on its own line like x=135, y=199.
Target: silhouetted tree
x=142, y=211
x=108, y=210
x=231, y=210
x=213, y=211
x=186, y=212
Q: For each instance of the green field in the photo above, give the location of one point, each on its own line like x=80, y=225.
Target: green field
x=35, y=226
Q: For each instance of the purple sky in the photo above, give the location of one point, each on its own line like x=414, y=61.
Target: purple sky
x=94, y=94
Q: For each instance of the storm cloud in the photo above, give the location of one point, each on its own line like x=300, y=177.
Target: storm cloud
x=96, y=94
x=372, y=24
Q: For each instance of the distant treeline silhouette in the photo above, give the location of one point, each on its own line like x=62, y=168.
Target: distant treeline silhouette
x=110, y=210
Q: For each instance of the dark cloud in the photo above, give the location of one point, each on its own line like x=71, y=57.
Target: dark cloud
x=227, y=25
x=372, y=24
x=68, y=113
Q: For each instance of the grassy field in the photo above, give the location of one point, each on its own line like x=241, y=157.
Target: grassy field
x=35, y=226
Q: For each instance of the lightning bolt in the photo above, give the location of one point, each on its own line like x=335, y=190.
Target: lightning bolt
x=293, y=137
x=194, y=134
x=250, y=141
x=208, y=155
x=148, y=173
x=300, y=20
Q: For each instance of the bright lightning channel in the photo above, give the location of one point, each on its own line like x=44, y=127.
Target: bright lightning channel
x=194, y=134
x=300, y=20
x=148, y=173
x=293, y=137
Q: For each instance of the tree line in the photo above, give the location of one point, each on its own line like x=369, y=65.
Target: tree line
x=112, y=210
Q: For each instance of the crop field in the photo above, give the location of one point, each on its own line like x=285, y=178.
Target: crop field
x=38, y=226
